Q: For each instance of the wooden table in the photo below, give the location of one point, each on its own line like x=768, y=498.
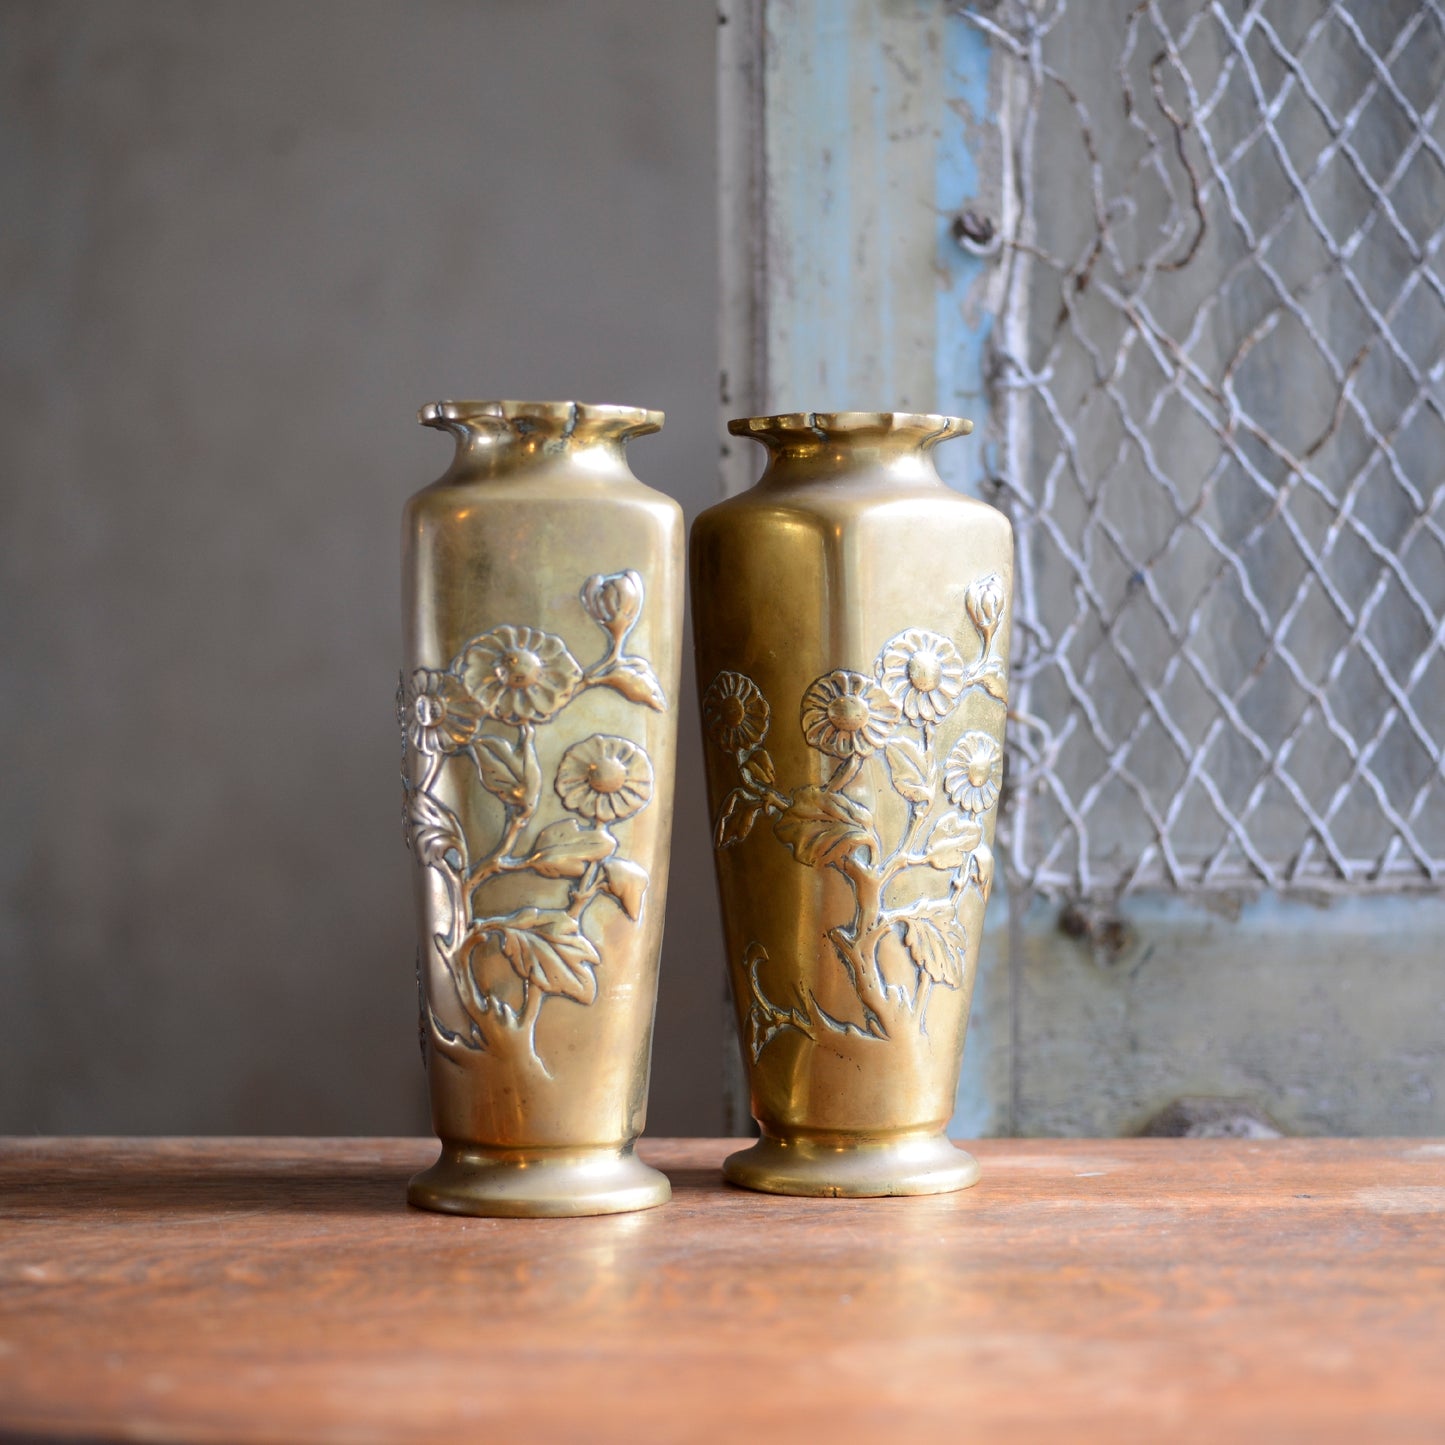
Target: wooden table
x=1120, y=1290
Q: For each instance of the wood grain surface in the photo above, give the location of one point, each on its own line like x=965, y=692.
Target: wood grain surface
x=1121, y=1290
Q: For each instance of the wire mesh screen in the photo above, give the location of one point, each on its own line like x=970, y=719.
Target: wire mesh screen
x=1217, y=382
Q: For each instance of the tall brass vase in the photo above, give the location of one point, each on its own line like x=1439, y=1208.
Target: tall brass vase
x=851, y=621
x=543, y=605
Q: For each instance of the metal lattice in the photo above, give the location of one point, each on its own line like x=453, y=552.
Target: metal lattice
x=1218, y=386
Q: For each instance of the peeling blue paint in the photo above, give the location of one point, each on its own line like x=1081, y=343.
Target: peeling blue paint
x=982, y=1105
x=868, y=124
x=875, y=123
x=959, y=345
x=811, y=222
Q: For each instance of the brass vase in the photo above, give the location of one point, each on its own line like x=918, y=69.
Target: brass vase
x=543, y=609
x=851, y=622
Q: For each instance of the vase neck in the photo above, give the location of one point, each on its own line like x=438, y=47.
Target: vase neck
x=496, y=437
x=821, y=446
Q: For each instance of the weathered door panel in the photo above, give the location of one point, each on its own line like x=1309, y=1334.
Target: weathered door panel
x=1222, y=446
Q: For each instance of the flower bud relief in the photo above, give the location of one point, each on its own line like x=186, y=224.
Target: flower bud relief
x=984, y=602
x=614, y=600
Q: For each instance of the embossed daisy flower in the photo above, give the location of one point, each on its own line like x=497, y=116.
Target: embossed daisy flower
x=604, y=778
x=519, y=674
x=923, y=673
x=974, y=772
x=847, y=715
x=439, y=715
x=734, y=711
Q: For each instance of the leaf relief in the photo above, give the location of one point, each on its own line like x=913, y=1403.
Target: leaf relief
x=546, y=948
x=823, y=828
x=936, y=941
x=954, y=837
x=627, y=882
x=636, y=681
x=566, y=849
x=759, y=769
x=981, y=870
x=502, y=771
x=482, y=714
x=736, y=817
x=889, y=721
x=994, y=680
x=436, y=833
x=909, y=770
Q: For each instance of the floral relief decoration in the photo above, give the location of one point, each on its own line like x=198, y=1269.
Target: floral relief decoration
x=853, y=720
x=482, y=714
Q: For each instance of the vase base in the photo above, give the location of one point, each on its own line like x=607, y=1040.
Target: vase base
x=854, y=1169
x=538, y=1183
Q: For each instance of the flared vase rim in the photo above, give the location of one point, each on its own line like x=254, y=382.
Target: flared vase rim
x=922, y=428
x=566, y=420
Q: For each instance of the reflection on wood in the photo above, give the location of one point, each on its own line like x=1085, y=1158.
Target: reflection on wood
x=1130, y=1289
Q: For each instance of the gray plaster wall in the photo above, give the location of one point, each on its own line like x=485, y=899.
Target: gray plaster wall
x=240, y=242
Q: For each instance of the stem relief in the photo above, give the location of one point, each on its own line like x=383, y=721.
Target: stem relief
x=521, y=680
x=887, y=719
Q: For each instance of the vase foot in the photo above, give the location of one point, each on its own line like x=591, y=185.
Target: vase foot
x=853, y=1169
x=537, y=1183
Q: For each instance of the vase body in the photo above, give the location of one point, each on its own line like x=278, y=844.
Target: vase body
x=851, y=618
x=542, y=589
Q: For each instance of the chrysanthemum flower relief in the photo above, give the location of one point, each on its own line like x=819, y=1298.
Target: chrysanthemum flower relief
x=476, y=722
x=735, y=712
x=441, y=716
x=923, y=673
x=604, y=778
x=888, y=720
x=519, y=674
x=973, y=773
x=847, y=715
